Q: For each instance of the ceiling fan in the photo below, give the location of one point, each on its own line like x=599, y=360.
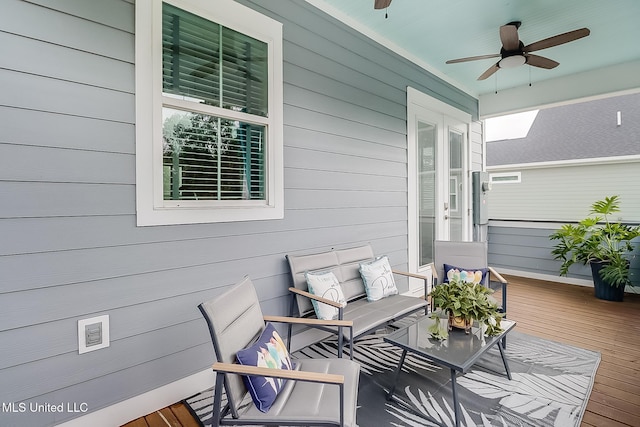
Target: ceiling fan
x=381, y=4
x=514, y=53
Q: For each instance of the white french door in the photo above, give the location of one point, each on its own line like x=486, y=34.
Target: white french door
x=438, y=183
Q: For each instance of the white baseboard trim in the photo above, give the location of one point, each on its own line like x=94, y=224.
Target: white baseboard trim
x=547, y=277
x=143, y=404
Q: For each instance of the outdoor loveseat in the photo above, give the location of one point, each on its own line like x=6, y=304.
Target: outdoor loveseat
x=366, y=315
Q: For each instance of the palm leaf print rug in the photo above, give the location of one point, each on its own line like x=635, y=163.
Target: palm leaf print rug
x=550, y=386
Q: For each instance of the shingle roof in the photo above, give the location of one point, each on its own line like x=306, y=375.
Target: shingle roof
x=577, y=131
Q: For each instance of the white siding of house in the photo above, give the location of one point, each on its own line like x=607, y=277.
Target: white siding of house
x=70, y=248
x=524, y=214
x=565, y=191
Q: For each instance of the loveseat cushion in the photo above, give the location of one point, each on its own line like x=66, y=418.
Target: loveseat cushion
x=378, y=278
x=326, y=285
x=367, y=315
x=324, y=403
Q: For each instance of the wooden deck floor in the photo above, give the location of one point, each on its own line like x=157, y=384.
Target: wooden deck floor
x=564, y=313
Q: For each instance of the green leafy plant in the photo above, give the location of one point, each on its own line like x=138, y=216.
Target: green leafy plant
x=597, y=239
x=469, y=301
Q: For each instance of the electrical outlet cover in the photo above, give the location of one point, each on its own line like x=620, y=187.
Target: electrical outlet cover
x=82, y=333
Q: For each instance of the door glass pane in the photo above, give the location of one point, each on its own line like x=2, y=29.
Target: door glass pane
x=456, y=183
x=426, y=191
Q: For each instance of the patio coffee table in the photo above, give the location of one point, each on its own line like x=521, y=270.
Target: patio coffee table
x=459, y=352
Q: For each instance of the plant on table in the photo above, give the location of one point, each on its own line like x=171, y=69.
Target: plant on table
x=469, y=301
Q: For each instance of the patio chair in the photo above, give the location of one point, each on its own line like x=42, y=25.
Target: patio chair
x=317, y=392
x=468, y=256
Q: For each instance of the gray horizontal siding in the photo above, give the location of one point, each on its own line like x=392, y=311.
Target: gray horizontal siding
x=91, y=30
x=84, y=267
x=68, y=233
x=33, y=92
x=49, y=129
x=16, y=164
x=337, y=162
x=70, y=248
x=44, y=199
x=528, y=250
x=64, y=63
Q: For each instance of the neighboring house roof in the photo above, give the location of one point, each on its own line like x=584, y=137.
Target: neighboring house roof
x=577, y=131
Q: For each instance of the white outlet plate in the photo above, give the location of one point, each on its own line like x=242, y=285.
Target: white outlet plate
x=82, y=344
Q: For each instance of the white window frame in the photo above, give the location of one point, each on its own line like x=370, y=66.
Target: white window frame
x=151, y=207
x=517, y=178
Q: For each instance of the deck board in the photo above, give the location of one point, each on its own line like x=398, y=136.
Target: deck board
x=564, y=313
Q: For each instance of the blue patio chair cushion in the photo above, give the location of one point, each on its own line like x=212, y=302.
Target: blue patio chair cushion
x=269, y=351
x=467, y=275
x=325, y=284
x=378, y=279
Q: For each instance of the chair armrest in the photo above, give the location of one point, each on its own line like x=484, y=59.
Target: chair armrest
x=315, y=297
x=314, y=377
x=308, y=321
x=495, y=274
x=434, y=272
x=414, y=275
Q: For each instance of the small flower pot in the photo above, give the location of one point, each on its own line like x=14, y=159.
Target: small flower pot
x=460, y=323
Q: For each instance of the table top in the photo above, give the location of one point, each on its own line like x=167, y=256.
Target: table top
x=459, y=351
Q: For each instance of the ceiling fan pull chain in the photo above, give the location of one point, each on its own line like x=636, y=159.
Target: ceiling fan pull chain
x=529, y=76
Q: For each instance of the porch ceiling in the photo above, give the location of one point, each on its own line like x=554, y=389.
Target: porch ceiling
x=430, y=32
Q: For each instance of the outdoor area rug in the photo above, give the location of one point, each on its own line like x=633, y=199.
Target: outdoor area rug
x=550, y=386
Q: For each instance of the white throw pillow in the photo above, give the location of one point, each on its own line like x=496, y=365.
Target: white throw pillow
x=378, y=279
x=325, y=285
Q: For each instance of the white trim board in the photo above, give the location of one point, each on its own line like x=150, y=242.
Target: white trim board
x=557, y=279
x=144, y=404
x=632, y=158
x=546, y=277
x=595, y=84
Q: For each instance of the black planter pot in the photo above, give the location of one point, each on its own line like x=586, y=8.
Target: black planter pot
x=604, y=290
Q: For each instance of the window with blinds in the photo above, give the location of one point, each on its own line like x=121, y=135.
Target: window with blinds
x=209, y=113
x=207, y=156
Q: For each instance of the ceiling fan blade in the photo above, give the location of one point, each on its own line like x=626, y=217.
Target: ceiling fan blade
x=557, y=40
x=509, y=36
x=541, y=61
x=381, y=4
x=489, y=71
x=472, y=58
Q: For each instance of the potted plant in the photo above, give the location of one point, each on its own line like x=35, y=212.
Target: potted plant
x=601, y=243
x=465, y=302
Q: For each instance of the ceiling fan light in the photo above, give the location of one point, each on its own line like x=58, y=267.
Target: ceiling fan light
x=512, y=61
